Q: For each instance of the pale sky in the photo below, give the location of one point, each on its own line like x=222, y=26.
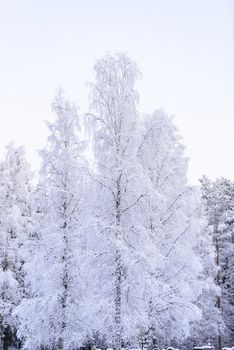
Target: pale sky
x=184, y=49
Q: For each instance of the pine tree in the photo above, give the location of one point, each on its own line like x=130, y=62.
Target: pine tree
x=218, y=199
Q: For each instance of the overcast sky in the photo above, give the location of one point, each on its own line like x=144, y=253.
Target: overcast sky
x=184, y=49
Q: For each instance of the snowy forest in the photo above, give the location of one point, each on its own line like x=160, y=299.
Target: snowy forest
x=107, y=245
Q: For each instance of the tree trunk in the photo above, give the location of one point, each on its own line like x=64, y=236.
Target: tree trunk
x=65, y=280
x=218, y=284
x=6, y=339
x=118, y=301
x=118, y=275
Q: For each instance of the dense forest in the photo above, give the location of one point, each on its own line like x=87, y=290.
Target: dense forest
x=107, y=244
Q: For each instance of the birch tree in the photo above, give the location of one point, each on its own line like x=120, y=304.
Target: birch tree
x=15, y=223
x=52, y=315
x=172, y=216
x=117, y=180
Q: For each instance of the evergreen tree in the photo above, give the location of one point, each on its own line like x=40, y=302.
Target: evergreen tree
x=218, y=199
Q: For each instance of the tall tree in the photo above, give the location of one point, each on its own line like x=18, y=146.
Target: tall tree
x=117, y=179
x=52, y=316
x=218, y=198
x=173, y=217
x=147, y=219
x=15, y=223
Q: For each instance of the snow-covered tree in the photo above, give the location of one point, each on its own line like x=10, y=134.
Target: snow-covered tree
x=206, y=329
x=218, y=198
x=146, y=219
x=15, y=227
x=122, y=256
x=173, y=217
x=52, y=317
x=119, y=189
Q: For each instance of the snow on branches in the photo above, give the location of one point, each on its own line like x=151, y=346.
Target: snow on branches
x=109, y=248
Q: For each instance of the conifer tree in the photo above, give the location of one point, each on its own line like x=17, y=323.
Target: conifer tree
x=218, y=199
